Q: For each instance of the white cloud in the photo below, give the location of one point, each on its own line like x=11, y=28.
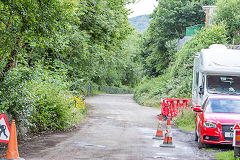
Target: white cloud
x=142, y=7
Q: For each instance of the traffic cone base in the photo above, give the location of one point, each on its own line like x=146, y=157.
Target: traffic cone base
x=167, y=142
x=159, y=133
x=168, y=136
x=170, y=143
x=14, y=159
x=12, y=150
x=167, y=145
x=158, y=138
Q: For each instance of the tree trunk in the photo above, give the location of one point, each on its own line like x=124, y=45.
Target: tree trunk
x=12, y=57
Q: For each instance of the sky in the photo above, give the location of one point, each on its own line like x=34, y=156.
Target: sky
x=141, y=7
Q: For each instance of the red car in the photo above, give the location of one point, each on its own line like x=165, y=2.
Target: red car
x=215, y=119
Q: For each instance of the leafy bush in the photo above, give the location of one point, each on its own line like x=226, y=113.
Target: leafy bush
x=228, y=12
x=53, y=107
x=38, y=99
x=142, y=90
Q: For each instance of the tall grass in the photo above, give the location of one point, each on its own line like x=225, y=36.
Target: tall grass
x=186, y=120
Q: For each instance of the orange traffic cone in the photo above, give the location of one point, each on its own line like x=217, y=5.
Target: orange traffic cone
x=159, y=133
x=12, y=150
x=168, y=136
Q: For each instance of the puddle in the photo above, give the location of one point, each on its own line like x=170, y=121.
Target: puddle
x=157, y=157
x=164, y=155
x=146, y=130
x=84, y=144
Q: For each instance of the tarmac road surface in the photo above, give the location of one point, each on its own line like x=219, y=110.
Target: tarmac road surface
x=116, y=129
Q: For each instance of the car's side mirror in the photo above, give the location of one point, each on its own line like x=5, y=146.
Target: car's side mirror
x=197, y=109
x=201, y=90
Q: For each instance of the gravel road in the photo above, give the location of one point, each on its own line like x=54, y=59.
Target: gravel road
x=116, y=129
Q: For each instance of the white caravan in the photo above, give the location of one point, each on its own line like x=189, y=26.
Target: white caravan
x=216, y=71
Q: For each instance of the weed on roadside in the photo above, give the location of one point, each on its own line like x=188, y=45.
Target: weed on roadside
x=229, y=155
x=208, y=149
x=186, y=120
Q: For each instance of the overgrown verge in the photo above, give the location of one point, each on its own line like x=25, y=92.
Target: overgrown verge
x=185, y=120
x=39, y=100
x=229, y=155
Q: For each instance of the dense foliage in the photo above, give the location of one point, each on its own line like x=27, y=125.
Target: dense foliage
x=228, y=12
x=53, y=50
x=177, y=81
x=39, y=99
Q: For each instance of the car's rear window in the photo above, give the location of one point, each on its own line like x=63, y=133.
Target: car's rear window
x=223, y=106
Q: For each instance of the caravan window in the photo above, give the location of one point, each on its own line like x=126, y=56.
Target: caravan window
x=197, y=78
x=223, y=84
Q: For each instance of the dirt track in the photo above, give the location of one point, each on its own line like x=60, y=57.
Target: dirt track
x=116, y=128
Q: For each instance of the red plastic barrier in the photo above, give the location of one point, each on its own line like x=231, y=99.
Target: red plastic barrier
x=172, y=106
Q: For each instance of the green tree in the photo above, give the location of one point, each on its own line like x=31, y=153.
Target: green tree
x=131, y=61
x=169, y=21
x=228, y=12
x=83, y=37
x=25, y=24
x=96, y=44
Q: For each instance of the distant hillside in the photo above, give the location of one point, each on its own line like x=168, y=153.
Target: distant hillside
x=140, y=22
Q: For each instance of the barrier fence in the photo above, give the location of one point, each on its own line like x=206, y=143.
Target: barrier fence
x=172, y=106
